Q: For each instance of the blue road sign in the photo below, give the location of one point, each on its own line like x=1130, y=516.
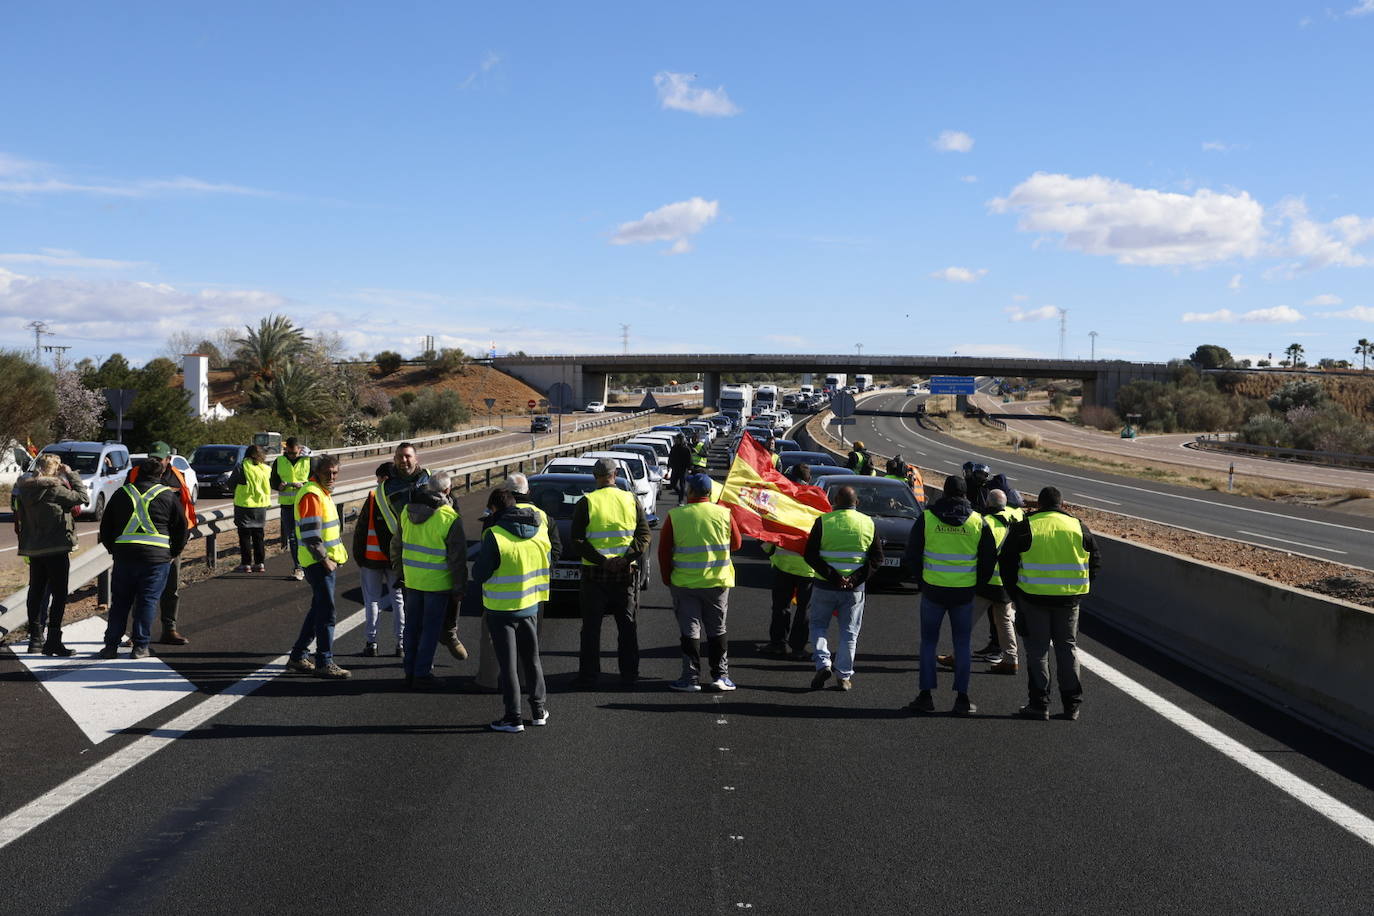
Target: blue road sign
x=952, y=384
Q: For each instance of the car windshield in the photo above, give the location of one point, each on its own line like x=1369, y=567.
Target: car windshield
x=80, y=462
x=878, y=499
x=215, y=456
x=559, y=498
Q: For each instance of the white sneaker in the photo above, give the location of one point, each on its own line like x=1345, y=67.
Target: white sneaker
x=722, y=684
x=540, y=718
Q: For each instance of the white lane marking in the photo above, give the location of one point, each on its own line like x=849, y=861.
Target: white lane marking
x=54, y=802
x=1336, y=811
x=1124, y=486
x=1095, y=499
x=104, y=697
x=1270, y=537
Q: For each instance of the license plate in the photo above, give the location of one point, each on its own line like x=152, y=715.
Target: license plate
x=892, y=561
x=567, y=574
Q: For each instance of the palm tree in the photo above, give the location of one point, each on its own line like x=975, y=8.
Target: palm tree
x=1363, y=349
x=271, y=347
x=1294, y=353
x=294, y=393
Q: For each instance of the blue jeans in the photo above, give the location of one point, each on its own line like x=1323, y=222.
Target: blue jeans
x=319, y=622
x=135, y=587
x=423, y=624
x=961, y=627
x=825, y=602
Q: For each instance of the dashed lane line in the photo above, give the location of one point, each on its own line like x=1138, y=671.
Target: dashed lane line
x=1299, y=789
x=93, y=778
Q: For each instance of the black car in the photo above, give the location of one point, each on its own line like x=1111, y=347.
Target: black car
x=213, y=464
x=558, y=495
x=789, y=459
x=893, y=508
x=541, y=424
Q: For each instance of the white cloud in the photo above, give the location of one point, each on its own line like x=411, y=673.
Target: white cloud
x=60, y=257
x=789, y=340
x=1363, y=8
x=1044, y=313
x=675, y=91
x=1235, y=283
x=671, y=223
x=1102, y=216
x=959, y=274
x=953, y=141
x=489, y=62
x=1279, y=314
x=1223, y=315
x=969, y=179
x=1325, y=244
x=13, y=165
x=1324, y=299
x=1358, y=312
x=146, y=187
x=1215, y=146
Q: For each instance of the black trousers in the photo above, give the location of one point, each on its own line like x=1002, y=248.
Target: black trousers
x=48, y=577
x=620, y=599
x=680, y=483
x=252, y=547
x=788, y=626
x=516, y=642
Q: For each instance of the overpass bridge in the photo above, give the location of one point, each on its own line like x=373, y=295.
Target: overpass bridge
x=588, y=375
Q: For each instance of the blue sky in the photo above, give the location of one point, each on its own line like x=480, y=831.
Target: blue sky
x=765, y=177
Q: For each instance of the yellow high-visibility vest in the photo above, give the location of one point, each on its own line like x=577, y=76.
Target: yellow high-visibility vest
x=701, y=546
x=325, y=527
x=611, y=520
x=1057, y=563
x=522, y=578
x=424, y=556
x=951, y=553
x=256, y=490
x=140, y=529
x=846, y=535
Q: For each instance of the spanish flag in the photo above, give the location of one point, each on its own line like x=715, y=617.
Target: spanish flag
x=765, y=504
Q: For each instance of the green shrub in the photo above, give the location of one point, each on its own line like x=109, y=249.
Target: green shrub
x=393, y=427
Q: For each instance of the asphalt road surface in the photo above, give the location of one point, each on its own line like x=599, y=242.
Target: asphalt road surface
x=304, y=796
x=887, y=425
x=1023, y=417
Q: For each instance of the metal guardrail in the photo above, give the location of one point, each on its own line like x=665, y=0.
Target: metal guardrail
x=1297, y=455
x=378, y=448
x=95, y=563
x=608, y=420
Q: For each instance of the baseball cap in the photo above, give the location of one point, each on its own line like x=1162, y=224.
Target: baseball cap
x=699, y=485
x=160, y=449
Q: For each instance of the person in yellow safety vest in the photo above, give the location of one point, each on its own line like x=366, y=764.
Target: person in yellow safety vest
x=844, y=551
x=699, y=455
x=694, y=548
x=1049, y=561
x=488, y=672
x=144, y=529
x=372, y=550
x=858, y=459
x=319, y=552
x=171, y=592
x=993, y=596
x=951, y=551
x=252, y=483
x=792, y=579
x=431, y=551
x=512, y=569
x=609, y=533
x=290, y=474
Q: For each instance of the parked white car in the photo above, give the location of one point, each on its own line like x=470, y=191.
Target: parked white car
x=639, y=485
x=102, y=466
x=596, y=407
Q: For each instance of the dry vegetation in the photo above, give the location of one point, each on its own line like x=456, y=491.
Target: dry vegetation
x=1354, y=393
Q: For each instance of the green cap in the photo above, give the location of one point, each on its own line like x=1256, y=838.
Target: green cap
x=160, y=450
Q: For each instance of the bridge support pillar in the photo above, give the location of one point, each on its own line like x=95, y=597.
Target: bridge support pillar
x=595, y=387
x=710, y=389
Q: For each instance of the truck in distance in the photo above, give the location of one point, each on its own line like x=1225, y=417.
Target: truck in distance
x=738, y=398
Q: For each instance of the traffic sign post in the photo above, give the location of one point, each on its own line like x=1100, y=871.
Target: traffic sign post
x=842, y=405
x=120, y=400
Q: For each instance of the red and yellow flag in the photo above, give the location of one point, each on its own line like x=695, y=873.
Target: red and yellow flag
x=765, y=504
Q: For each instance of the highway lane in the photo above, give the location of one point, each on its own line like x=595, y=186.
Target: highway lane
x=1298, y=529
x=357, y=796
x=1022, y=417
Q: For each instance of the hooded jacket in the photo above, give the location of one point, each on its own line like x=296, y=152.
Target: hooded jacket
x=953, y=511
x=422, y=505
x=43, y=513
x=519, y=521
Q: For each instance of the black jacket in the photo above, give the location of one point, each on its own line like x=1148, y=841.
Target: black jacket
x=1019, y=541
x=166, y=515
x=953, y=511
x=679, y=458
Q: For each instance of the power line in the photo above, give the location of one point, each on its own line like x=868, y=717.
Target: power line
x=625, y=338
x=1063, y=329
x=39, y=328
x=1093, y=335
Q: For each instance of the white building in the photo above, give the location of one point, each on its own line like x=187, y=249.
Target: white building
x=195, y=375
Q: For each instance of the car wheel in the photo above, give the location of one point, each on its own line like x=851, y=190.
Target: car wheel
x=99, y=508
